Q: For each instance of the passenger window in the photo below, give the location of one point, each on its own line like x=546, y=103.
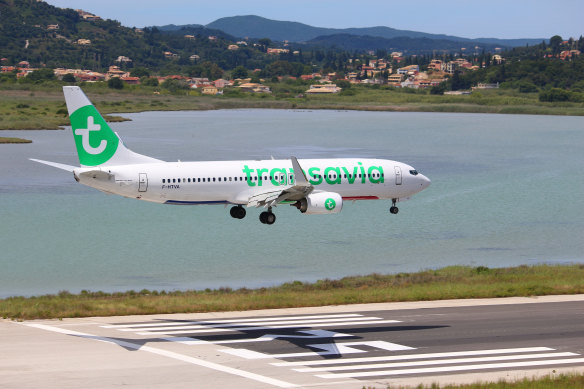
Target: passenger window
x=163, y=181
x=213, y=179
x=219, y=178
x=174, y=180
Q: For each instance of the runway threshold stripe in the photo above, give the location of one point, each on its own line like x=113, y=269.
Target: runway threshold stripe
x=215, y=325
x=438, y=362
x=453, y=368
x=417, y=356
x=139, y=325
x=253, y=328
x=170, y=354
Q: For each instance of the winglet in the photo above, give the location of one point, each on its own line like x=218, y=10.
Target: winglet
x=299, y=176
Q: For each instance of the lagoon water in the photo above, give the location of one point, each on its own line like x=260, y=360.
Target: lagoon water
x=506, y=190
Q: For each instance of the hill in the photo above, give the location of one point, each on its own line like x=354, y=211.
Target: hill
x=45, y=35
x=258, y=27
x=407, y=45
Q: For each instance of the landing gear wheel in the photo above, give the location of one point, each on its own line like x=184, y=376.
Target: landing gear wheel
x=394, y=210
x=267, y=218
x=237, y=212
x=263, y=217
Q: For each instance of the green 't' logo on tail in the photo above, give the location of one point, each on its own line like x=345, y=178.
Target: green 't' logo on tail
x=96, y=142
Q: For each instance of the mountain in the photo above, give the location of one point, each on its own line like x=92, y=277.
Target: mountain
x=195, y=29
x=45, y=35
x=407, y=45
x=257, y=27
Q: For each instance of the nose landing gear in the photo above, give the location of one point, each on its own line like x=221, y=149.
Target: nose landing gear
x=394, y=210
x=237, y=212
x=268, y=217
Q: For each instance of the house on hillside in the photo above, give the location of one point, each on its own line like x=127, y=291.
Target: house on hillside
x=255, y=88
x=323, y=88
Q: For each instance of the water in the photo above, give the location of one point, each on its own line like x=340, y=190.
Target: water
x=506, y=190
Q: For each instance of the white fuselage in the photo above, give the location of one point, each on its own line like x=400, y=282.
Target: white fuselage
x=234, y=182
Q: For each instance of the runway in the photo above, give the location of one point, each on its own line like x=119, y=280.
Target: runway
x=347, y=346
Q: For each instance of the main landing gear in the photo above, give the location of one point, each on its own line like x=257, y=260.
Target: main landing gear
x=267, y=217
x=394, y=210
x=237, y=212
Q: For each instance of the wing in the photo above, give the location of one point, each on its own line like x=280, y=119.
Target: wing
x=298, y=191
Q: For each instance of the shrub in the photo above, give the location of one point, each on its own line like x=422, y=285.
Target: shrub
x=115, y=83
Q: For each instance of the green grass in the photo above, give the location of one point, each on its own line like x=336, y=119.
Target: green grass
x=13, y=140
x=560, y=381
x=456, y=282
x=42, y=106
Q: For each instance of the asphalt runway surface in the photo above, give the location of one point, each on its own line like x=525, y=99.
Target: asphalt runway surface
x=349, y=346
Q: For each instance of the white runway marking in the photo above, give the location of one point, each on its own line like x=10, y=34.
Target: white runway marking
x=254, y=328
x=297, y=323
x=312, y=334
x=415, y=356
x=437, y=362
x=263, y=319
x=328, y=349
x=170, y=354
x=452, y=368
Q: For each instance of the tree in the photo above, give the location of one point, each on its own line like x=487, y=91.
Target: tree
x=265, y=42
x=147, y=81
x=555, y=42
x=115, y=83
x=41, y=75
x=140, y=72
x=69, y=78
x=239, y=72
x=554, y=94
x=343, y=84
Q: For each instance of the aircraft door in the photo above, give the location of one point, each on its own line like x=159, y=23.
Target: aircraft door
x=142, y=182
x=398, y=175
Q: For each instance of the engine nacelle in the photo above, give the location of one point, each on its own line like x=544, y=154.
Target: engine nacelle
x=321, y=203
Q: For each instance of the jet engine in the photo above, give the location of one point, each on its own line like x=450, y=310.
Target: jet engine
x=320, y=203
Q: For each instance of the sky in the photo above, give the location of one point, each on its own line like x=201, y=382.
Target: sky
x=464, y=18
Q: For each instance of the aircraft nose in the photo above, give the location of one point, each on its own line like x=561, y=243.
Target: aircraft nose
x=424, y=181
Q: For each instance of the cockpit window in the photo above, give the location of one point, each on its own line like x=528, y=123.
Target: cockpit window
x=414, y=172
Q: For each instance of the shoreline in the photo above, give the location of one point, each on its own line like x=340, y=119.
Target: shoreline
x=35, y=110
x=453, y=282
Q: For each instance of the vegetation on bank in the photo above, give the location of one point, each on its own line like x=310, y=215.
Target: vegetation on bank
x=560, y=381
x=42, y=106
x=4, y=139
x=455, y=282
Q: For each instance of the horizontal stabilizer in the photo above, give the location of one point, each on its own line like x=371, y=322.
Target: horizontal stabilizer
x=62, y=166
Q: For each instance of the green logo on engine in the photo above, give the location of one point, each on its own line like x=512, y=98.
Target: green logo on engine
x=330, y=204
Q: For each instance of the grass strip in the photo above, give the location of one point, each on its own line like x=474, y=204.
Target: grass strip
x=44, y=108
x=454, y=282
x=551, y=381
x=13, y=140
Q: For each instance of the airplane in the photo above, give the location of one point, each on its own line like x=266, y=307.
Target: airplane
x=313, y=186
